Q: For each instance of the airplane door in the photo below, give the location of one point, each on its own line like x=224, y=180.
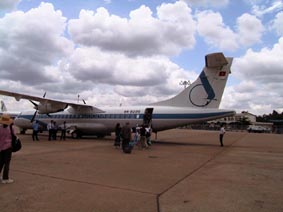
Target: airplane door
x=147, y=116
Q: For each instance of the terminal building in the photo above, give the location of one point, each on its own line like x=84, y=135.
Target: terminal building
x=238, y=118
x=241, y=121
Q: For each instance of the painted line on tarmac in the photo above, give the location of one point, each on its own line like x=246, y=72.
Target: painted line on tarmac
x=196, y=170
x=85, y=182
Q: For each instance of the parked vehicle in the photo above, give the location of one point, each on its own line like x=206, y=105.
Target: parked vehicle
x=257, y=129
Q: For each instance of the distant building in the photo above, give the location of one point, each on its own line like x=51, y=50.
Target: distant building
x=237, y=118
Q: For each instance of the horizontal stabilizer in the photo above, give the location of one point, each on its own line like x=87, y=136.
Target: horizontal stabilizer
x=215, y=60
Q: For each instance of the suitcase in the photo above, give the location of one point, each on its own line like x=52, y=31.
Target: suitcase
x=127, y=149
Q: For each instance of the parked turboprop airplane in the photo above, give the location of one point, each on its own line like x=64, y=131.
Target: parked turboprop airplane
x=198, y=102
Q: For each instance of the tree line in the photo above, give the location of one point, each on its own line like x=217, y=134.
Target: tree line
x=270, y=117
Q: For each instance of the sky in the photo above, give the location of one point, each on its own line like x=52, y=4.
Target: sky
x=135, y=52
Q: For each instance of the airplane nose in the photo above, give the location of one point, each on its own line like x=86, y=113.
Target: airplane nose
x=22, y=122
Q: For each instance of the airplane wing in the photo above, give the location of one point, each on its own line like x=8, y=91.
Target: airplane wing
x=46, y=105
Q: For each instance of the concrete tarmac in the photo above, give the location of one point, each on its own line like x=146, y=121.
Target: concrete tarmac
x=184, y=170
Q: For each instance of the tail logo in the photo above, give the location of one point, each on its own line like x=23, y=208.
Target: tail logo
x=201, y=90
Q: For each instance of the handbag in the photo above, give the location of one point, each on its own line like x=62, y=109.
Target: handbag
x=16, y=142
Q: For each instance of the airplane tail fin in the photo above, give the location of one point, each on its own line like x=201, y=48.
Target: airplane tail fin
x=2, y=106
x=207, y=90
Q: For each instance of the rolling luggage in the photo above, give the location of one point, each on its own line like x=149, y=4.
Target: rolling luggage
x=128, y=149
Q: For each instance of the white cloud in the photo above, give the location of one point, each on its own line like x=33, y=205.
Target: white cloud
x=135, y=74
x=37, y=57
x=212, y=28
x=215, y=32
x=259, y=101
x=264, y=66
x=261, y=76
x=142, y=34
x=278, y=24
x=250, y=29
x=263, y=9
x=30, y=42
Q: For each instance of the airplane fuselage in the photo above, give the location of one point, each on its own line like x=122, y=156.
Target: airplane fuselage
x=159, y=117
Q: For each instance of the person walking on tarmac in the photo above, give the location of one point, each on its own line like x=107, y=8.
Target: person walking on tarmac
x=148, y=135
x=50, y=127
x=126, y=135
x=63, y=131
x=143, y=143
x=117, y=135
x=35, y=128
x=221, y=134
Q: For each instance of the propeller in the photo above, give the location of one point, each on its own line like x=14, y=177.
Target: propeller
x=34, y=115
x=82, y=99
x=36, y=108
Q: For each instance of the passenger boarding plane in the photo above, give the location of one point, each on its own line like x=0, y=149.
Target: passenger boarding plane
x=197, y=103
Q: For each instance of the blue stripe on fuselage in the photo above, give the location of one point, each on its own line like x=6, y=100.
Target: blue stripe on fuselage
x=187, y=116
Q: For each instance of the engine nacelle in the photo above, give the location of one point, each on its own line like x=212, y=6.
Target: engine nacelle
x=51, y=108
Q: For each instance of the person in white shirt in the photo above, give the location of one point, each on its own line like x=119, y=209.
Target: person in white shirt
x=50, y=128
x=221, y=134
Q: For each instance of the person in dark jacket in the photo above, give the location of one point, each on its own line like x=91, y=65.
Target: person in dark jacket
x=117, y=135
x=126, y=135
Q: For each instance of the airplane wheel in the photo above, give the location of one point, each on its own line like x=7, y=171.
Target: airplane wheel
x=22, y=131
x=75, y=135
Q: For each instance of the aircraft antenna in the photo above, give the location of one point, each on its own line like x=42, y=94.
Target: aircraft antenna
x=185, y=83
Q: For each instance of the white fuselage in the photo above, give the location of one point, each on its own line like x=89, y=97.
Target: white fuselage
x=159, y=117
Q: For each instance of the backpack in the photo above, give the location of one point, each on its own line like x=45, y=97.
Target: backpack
x=16, y=142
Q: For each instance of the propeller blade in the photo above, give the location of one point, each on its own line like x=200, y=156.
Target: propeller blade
x=35, y=105
x=33, y=116
x=84, y=101
x=44, y=94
